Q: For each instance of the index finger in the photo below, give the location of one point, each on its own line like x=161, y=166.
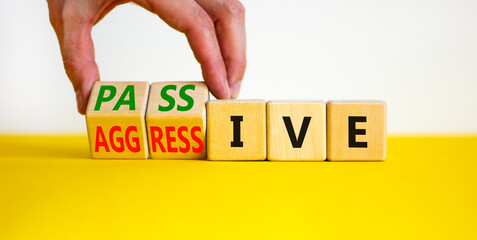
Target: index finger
x=188, y=17
x=229, y=18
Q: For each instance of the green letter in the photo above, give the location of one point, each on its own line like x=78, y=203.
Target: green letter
x=122, y=100
x=168, y=98
x=102, y=98
x=187, y=98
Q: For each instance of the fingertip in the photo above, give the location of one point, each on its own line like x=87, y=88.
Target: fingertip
x=80, y=102
x=220, y=92
x=83, y=93
x=235, y=89
x=215, y=76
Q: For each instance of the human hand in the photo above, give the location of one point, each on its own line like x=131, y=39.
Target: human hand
x=215, y=30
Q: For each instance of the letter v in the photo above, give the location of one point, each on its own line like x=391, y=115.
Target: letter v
x=296, y=142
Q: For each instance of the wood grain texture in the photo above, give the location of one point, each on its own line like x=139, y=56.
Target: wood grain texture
x=307, y=119
x=115, y=120
x=252, y=130
x=176, y=120
x=356, y=131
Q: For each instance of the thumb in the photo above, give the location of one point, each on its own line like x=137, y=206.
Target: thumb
x=77, y=50
x=78, y=58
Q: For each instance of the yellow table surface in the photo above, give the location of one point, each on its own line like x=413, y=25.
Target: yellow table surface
x=50, y=188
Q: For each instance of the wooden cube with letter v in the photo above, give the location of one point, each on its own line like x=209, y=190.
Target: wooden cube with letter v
x=236, y=130
x=176, y=120
x=356, y=131
x=115, y=118
x=296, y=131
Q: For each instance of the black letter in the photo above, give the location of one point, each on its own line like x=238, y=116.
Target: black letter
x=296, y=142
x=352, y=132
x=236, y=142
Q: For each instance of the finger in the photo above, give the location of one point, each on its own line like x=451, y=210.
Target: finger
x=73, y=30
x=229, y=18
x=188, y=17
x=73, y=22
x=78, y=58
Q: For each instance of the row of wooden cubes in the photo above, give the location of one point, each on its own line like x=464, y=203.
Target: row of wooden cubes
x=176, y=120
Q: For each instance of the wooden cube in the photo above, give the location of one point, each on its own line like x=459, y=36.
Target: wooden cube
x=115, y=120
x=236, y=130
x=176, y=120
x=356, y=131
x=296, y=131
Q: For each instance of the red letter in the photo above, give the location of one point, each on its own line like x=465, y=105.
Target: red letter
x=157, y=139
x=137, y=148
x=119, y=139
x=100, y=140
x=196, y=139
x=183, y=139
x=170, y=139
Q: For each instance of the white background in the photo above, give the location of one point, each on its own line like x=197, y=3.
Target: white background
x=420, y=56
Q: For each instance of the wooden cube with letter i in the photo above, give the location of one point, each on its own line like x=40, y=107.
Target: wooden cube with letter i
x=115, y=120
x=236, y=130
x=176, y=120
x=356, y=131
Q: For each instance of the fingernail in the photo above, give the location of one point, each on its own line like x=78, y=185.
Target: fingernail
x=235, y=90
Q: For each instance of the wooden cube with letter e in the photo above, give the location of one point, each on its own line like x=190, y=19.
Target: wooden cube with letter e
x=356, y=131
x=115, y=120
x=176, y=120
x=236, y=130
